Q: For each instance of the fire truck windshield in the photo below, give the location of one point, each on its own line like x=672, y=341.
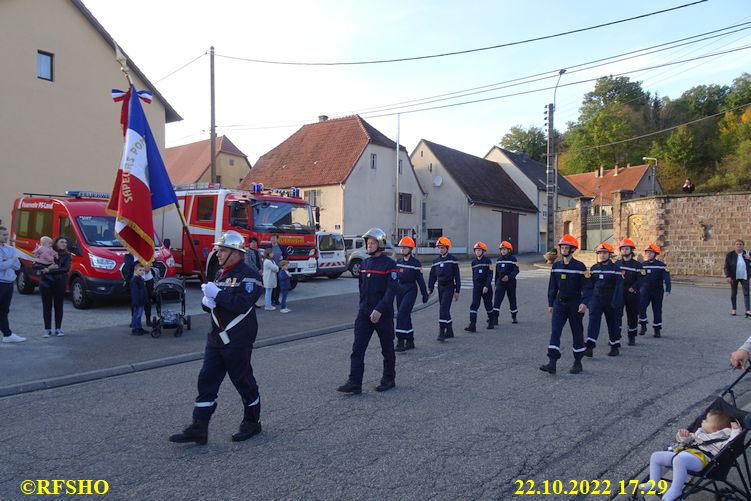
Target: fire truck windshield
x=283, y=216
x=99, y=231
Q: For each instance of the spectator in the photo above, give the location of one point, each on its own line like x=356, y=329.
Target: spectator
x=137, y=298
x=44, y=254
x=9, y=265
x=739, y=358
x=52, y=287
x=278, y=254
x=688, y=186
x=252, y=256
x=284, y=285
x=270, y=269
x=738, y=271
x=149, y=278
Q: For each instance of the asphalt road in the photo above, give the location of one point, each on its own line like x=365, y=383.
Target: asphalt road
x=469, y=418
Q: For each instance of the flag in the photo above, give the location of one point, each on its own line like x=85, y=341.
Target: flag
x=142, y=184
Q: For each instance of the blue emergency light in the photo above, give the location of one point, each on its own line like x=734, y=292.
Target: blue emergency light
x=295, y=192
x=256, y=188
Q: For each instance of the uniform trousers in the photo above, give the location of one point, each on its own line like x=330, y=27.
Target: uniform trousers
x=566, y=311
x=364, y=329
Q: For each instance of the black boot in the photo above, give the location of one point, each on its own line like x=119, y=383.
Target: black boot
x=657, y=331
x=350, y=387
x=197, y=432
x=400, y=345
x=410, y=344
x=250, y=425
x=550, y=366
x=589, y=351
x=386, y=384
x=643, y=329
x=614, y=351
x=631, y=340
x=449, y=331
x=576, y=368
x=513, y=318
x=441, y=332
x=491, y=320
x=472, y=327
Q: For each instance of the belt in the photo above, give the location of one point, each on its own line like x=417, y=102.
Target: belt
x=566, y=299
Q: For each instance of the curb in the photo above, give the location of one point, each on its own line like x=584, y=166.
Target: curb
x=84, y=377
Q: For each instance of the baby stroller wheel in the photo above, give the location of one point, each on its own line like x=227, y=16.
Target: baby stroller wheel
x=187, y=321
x=156, y=331
x=179, y=330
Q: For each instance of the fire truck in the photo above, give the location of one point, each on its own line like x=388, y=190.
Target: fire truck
x=210, y=210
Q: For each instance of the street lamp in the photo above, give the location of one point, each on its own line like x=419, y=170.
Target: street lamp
x=654, y=173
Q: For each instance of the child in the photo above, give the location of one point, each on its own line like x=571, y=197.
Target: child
x=269, y=277
x=693, y=452
x=44, y=254
x=284, y=284
x=138, y=298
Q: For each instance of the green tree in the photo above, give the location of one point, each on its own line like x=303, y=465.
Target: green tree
x=531, y=141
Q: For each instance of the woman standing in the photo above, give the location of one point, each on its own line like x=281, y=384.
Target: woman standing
x=52, y=287
x=738, y=271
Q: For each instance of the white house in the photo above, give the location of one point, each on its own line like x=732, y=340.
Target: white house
x=470, y=199
x=348, y=169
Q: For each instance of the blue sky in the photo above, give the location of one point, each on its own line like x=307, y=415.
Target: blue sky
x=253, y=99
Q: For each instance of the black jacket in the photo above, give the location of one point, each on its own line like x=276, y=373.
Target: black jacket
x=59, y=274
x=731, y=261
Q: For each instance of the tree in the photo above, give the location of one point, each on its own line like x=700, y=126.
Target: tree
x=531, y=142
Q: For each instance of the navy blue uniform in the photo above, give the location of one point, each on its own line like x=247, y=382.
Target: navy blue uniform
x=606, y=292
x=409, y=276
x=445, y=271
x=505, y=267
x=654, y=275
x=240, y=287
x=566, y=291
x=482, y=276
x=378, y=287
x=631, y=274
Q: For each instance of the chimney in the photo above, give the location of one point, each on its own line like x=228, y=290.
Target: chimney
x=602, y=170
x=323, y=118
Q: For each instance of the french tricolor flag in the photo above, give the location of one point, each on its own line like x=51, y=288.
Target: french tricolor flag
x=142, y=184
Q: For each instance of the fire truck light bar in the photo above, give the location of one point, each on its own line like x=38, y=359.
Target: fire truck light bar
x=86, y=194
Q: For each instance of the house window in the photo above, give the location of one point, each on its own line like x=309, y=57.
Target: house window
x=404, y=232
x=44, y=65
x=434, y=234
x=430, y=167
x=311, y=196
x=218, y=179
x=231, y=162
x=400, y=166
x=420, y=153
x=205, y=209
x=405, y=202
x=373, y=158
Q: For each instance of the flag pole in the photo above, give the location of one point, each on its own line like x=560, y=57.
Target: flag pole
x=120, y=57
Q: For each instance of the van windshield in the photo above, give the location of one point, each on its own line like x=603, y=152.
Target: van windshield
x=332, y=242
x=99, y=231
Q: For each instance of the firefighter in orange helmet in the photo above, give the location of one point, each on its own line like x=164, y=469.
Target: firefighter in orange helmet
x=482, y=288
x=631, y=273
x=605, y=299
x=655, y=274
x=506, y=271
x=445, y=272
x=409, y=276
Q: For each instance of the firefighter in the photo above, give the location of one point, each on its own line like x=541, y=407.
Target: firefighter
x=631, y=273
x=378, y=285
x=506, y=271
x=606, y=295
x=655, y=274
x=482, y=286
x=230, y=298
x=409, y=276
x=567, y=302
x=445, y=271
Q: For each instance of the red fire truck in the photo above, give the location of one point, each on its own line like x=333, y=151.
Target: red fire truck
x=211, y=210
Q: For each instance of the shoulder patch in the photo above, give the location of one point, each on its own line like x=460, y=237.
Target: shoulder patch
x=643, y=271
x=393, y=275
x=248, y=286
x=587, y=274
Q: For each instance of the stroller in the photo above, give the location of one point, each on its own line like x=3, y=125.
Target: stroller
x=169, y=292
x=728, y=474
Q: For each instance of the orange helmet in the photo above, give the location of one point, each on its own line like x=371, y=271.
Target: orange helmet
x=569, y=240
x=627, y=242
x=653, y=247
x=407, y=242
x=443, y=241
x=507, y=245
x=604, y=247
x=480, y=245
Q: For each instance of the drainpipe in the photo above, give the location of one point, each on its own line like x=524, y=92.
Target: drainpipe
x=538, y=222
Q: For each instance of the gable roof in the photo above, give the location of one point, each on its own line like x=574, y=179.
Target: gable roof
x=318, y=154
x=188, y=162
x=483, y=181
x=590, y=185
x=170, y=114
x=538, y=172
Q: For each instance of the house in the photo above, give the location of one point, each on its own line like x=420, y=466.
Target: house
x=348, y=169
x=59, y=128
x=600, y=184
x=470, y=198
x=191, y=163
x=531, y=177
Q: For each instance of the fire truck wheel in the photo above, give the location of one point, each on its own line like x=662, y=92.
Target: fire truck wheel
x=24, y=284
x=293, y=283
x=78, y=294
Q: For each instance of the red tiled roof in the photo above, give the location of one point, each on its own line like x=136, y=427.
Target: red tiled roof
x=591, y=186
x=318, y=154
x=187, y=163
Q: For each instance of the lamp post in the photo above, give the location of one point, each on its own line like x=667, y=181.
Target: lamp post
x=551, y=186
x=654, y=173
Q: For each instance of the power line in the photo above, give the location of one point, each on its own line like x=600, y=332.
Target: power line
x=468, y=51
x=181, y=67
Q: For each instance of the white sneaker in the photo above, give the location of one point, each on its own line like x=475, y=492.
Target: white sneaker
x=284, y=310
x=13, y=338
x=47, y=333
x=59, y=332
x=269, y=308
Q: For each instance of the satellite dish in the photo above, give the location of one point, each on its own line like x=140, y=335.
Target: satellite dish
x=437, y=181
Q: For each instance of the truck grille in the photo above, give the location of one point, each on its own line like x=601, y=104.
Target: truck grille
x=298, y=251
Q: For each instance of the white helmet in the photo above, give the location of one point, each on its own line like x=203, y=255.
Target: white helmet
x=378, y=235
x=232, y=240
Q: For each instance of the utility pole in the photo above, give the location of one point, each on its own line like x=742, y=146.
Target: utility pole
x=213, y=120
x=550, y=180
x=396, y=215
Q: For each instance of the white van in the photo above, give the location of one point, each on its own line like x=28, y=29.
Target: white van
x=332, y=259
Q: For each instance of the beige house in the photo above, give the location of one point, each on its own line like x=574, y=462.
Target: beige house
x=191, y=163
x=348, y=169
x=59, y=128
x=531, y=177
x=470, y=198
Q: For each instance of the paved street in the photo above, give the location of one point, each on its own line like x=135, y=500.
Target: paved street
x=467, y=419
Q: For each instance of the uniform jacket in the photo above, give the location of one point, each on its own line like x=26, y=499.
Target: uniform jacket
x=138, y=293
x=409, y=272
x=605, y=284
x=568, y=282
x=655, y=273
x=731, y=261
x=445, y=271
x=482, y=272
x=378, y=285
x=240, y=289
x=506, y=266
x=9, y=263
x=59, y=274
x=631, y=273
x=270, y=270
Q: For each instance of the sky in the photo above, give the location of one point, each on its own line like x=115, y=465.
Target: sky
x=259, y=105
